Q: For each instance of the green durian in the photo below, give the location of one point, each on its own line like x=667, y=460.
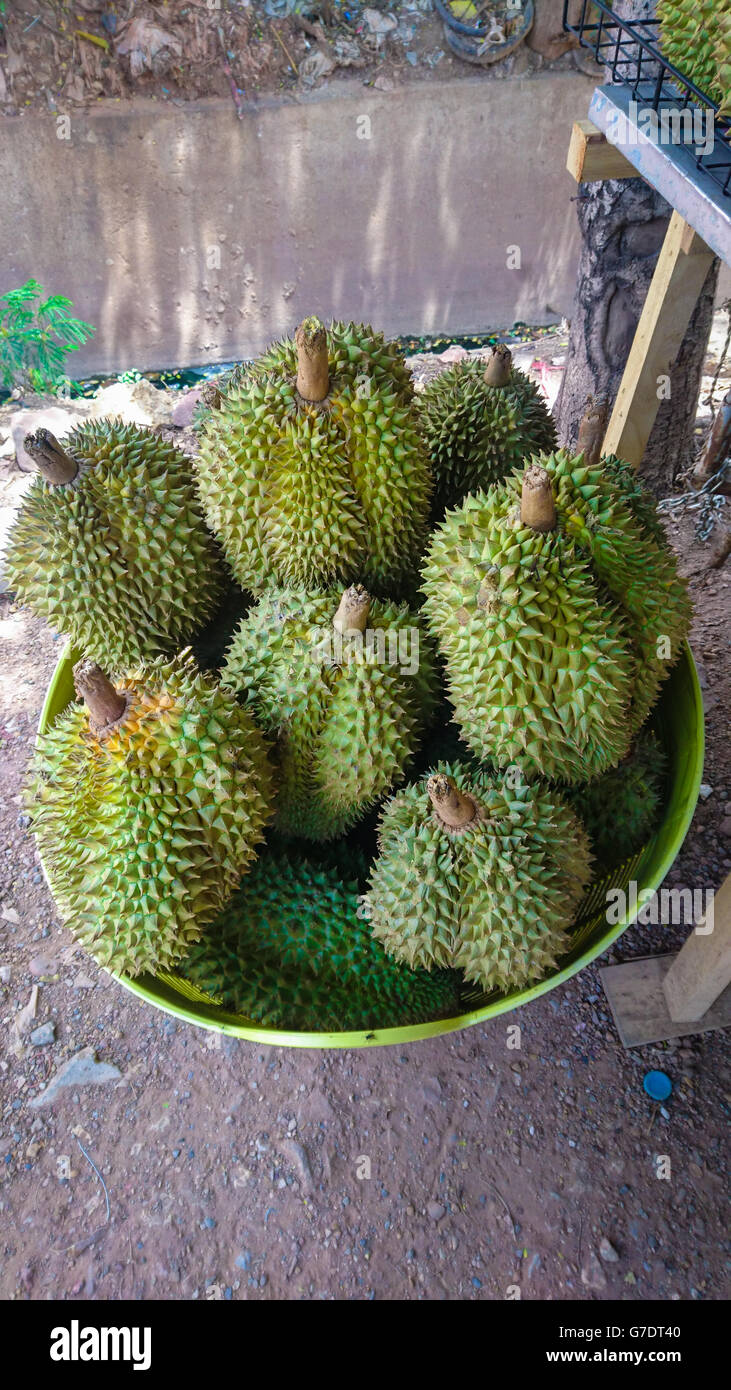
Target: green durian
x=481, y=873
x=479, y=423
x=312, y=471
x=695, y=36
x=110, y=545
x=557, y=625
x=147, y=808
x=346, y=685
x=620, y=810
x=293, y=950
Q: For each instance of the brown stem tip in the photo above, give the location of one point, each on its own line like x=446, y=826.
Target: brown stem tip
x=104, y=703
x=592, y=430
x=51, y=460
x=211, y=396
x=354, y=611
x=313, y=380
x=537, y=505
x=452, y=807
x=499, y=369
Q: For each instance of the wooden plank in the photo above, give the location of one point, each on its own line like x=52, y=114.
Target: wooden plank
x=591, y=158
x=702, y=968
x=681, y=269
x=636, y=997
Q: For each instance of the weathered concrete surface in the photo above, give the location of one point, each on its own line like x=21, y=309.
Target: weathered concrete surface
x=188, y=236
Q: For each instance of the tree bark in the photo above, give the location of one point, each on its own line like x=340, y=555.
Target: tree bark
x=623, y=224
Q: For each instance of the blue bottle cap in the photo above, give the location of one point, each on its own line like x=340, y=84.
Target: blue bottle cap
x=657, y=1085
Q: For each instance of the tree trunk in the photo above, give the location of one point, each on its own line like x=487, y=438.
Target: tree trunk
x=623, y=224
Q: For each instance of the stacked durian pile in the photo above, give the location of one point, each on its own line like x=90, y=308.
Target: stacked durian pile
x=428, y=731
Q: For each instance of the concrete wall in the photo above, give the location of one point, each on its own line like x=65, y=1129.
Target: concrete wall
x=188, y=236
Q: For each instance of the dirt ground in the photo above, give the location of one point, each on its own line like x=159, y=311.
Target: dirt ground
x=236, y=1171
x=53, y=53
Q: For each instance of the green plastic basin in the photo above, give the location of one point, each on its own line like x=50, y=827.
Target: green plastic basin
x=678, y=722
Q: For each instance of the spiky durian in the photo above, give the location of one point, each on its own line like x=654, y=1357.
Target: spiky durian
x=558, y=618
x=620, y=809
x=293, y=950
x=478, y=873
x=110, y=545
x=479, y=422
x=312, y=470
x=696, y=38
x=346, y=684
x=147, y=808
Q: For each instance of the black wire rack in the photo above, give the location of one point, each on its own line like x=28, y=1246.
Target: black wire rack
x=632, y=54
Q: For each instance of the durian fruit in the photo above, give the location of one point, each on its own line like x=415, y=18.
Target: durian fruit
x=558, y=618
x=695, y=36
x=346, y=684
x=293, y=950
x=110, y=545
x=479, y=872
x=620, y=810
x=147, y=807
x=479, y=423
x=312, y=471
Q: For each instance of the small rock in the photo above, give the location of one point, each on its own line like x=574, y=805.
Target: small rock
x=9, y=914
x=184, y=409
x=41, y=966
x=704, y=791
x=607, y=1251
x=297, y=1156
x=83, y=981
x=592, y=1275
x=454, y=353
x=435, y=1211
x=243, y=1261
x=40, y=1037
x=82, y=1069
x=137, y=402
x=5, y=973
x=724, y=828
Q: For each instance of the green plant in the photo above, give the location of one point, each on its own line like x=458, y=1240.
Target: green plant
x=36, y=336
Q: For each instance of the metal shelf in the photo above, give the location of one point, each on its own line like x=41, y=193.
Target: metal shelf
x=632, y=54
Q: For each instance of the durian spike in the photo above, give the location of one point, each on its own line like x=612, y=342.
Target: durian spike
x=313, y=380
x=592, y=430
x=51, y=460
x=354, y=611
x=104, y=703
x=452, y=808
x=537, y=505
x=499, y=369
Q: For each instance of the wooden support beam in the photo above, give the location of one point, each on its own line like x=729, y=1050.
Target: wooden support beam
x=591, y=158
x=702, y=969
x=682, y=266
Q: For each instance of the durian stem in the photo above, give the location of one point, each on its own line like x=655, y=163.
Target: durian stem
x=499, y=369
x=537, y=505
x=104, y=703
x=354, y=611
x=51, y=460
x=592, y=430
x=451, y=806
x=211, y=396
x=313, y=380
